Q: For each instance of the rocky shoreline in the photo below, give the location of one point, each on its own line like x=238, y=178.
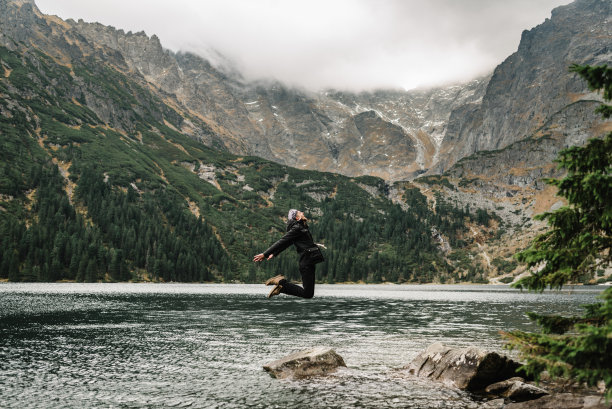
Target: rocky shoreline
x=494, y=380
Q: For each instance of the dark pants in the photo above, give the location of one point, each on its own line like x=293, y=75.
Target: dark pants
x=307, y=270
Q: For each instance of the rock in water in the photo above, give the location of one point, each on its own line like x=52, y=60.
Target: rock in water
x=516, y=390
x=499, y=388
x=521, y=391
x=310, y=362
x=464, y=368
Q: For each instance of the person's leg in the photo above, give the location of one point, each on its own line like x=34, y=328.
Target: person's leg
x=308, y=280
x=307, y=270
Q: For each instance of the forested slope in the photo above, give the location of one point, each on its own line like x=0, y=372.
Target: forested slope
x=82, y=200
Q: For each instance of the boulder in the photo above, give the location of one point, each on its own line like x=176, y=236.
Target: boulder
x=516, y=390
x=310, y=362
x=562, y=400
x=521, y=391
x=499, y=388
x=464, y=368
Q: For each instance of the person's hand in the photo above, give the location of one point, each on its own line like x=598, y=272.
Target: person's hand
x=260, y=257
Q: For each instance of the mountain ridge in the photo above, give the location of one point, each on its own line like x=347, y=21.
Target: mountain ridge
x=74, y=109
x=97, y=183
x=317, y=130
x=227, y=107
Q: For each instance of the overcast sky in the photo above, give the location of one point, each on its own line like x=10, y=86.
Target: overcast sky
x=343, y=44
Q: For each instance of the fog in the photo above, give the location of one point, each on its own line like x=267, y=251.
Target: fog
x=343, y=44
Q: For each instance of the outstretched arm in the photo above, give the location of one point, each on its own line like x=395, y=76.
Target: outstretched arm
x=284, y=242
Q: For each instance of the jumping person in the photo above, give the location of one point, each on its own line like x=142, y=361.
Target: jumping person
x=298, y=235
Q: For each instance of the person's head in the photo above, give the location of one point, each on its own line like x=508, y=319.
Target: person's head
x=295, y=214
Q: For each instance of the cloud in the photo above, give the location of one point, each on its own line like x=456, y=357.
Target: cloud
x=343, y=44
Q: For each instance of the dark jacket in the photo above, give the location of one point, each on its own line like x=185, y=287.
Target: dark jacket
x=298, y=234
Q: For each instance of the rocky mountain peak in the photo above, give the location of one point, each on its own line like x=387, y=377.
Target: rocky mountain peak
x=322, y=123
x=393, y=134
x=533, y=84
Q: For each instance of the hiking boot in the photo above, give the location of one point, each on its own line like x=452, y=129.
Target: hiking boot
x=275, y=291
x=275, y=280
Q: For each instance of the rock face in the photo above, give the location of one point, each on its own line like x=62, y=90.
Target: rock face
x=311, y=362
x=525, y=163
x=464, y=368
x=533, y=84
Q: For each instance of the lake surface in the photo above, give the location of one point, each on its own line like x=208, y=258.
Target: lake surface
x=203, y=346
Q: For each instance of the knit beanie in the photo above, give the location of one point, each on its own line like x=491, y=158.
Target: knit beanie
x=292, y=214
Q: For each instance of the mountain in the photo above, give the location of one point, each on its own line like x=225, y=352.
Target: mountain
x=533, y=89
x=323, y=131
x=123, y=160
x=502, y=148
x=396, y=135
x=429, y=130
x=104, y=176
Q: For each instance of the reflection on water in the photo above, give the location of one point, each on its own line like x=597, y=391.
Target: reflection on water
x=175, y=345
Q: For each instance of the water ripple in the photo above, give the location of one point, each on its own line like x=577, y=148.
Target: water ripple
x=203, y=346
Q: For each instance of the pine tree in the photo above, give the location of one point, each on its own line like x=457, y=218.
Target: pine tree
x=13, y=266
x=578, y=243
x=115, y=265
x=91, y=272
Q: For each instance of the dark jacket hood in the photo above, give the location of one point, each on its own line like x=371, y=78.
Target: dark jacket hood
x=293, y=222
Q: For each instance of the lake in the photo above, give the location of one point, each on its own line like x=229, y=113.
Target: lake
x=70, y=345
